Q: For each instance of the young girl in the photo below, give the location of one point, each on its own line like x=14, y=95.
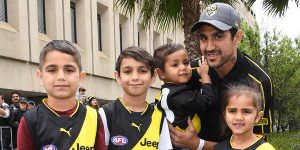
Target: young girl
x=242, y=110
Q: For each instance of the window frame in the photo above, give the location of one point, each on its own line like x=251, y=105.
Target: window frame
x=73, y=22
x=99, y=21
x=5, y=11
x=44, y=29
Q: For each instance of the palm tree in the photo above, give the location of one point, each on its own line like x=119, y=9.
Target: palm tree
x=171, y=14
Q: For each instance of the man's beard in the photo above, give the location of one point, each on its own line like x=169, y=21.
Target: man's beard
x=223, y=59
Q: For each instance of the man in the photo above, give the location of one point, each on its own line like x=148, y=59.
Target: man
x=82, y=96
x=15, y=97
x=5, y=130
x=13, y=118
x=220, y=35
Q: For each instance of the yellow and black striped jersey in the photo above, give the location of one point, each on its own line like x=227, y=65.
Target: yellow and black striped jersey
x=260, y=144
x=126, y=130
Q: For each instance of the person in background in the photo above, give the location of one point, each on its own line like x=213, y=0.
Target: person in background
x=92, y=101
x=4, y=124
x=31, y=105
x=15, y=112
x=82, y=96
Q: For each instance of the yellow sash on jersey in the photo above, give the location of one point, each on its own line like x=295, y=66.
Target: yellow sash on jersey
x=88, y=132
x=151, y=139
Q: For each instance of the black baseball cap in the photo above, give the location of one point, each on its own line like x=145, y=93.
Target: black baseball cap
x=23, y=100
x=220, y=15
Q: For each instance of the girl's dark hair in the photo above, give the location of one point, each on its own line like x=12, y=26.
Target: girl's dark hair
x=237, y=90
x=163, y=51
x=138, y=54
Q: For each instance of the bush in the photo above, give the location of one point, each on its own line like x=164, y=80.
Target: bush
x=288, y=140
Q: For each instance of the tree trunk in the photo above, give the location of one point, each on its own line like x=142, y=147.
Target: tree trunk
x=191, y=13
x=279, y=121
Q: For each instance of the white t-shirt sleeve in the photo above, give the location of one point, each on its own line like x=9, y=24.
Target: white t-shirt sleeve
x=104, y=120
x=6, y=110
x=165, y=139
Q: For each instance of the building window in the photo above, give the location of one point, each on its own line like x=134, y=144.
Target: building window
x=73, y=22
x=41, y=16
x=121, y=41
x=3, y=10
x=99, y=32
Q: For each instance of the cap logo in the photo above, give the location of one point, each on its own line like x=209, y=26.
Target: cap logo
x=211, y=10
x=236, y=24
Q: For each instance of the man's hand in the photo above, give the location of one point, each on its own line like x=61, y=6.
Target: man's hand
x=188, y=139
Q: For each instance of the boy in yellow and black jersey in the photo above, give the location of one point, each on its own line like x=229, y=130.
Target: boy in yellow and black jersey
x=130, y=122
x=61, y=122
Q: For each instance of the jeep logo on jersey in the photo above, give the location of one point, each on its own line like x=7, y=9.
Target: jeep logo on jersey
x=119, y=140
x=49, y=147
x=149, y=143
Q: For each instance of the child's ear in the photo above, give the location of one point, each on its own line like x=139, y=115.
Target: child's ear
x=154, y=76
x=259, y=116
x=160, y=73
x=82, y=76
x=39, y=74
x=116, y=73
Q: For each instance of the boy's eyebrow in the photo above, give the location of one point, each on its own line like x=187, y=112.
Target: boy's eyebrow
x=51, y=65
x=69, y=65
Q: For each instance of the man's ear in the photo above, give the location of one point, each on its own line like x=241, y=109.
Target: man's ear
x=160, y=73
x=116, y=73
x=39, y=75
x=238, y=37
x=259, y=116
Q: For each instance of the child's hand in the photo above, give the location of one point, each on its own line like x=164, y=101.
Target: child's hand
x=203, y=70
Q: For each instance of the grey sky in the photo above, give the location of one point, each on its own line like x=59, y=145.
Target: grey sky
x=288, y=25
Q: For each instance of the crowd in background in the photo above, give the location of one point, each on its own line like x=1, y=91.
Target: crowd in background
x=11, y=112
x=13, y=108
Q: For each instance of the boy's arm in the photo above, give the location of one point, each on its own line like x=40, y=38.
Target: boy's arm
x=105, y=126
x=24, y=139
x=165, y=140
x=100, y=138
x=189, y=139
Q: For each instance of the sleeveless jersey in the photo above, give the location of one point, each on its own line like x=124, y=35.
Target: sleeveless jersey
x=126, y=130
x=49, y=130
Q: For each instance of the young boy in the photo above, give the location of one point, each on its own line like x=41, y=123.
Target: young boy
x=61, y=122
x=179, y=98
x=130, y=122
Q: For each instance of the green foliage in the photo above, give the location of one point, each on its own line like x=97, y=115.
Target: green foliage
x=285, y=140
x=280, y=55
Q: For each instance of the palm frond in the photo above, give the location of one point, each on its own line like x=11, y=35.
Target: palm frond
x=277, y=7
x=126, y=6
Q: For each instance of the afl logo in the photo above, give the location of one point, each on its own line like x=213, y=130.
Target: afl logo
x=49, y=147
x=119, y=140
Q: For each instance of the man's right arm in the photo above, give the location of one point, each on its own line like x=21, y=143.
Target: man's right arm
x=189, y=138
